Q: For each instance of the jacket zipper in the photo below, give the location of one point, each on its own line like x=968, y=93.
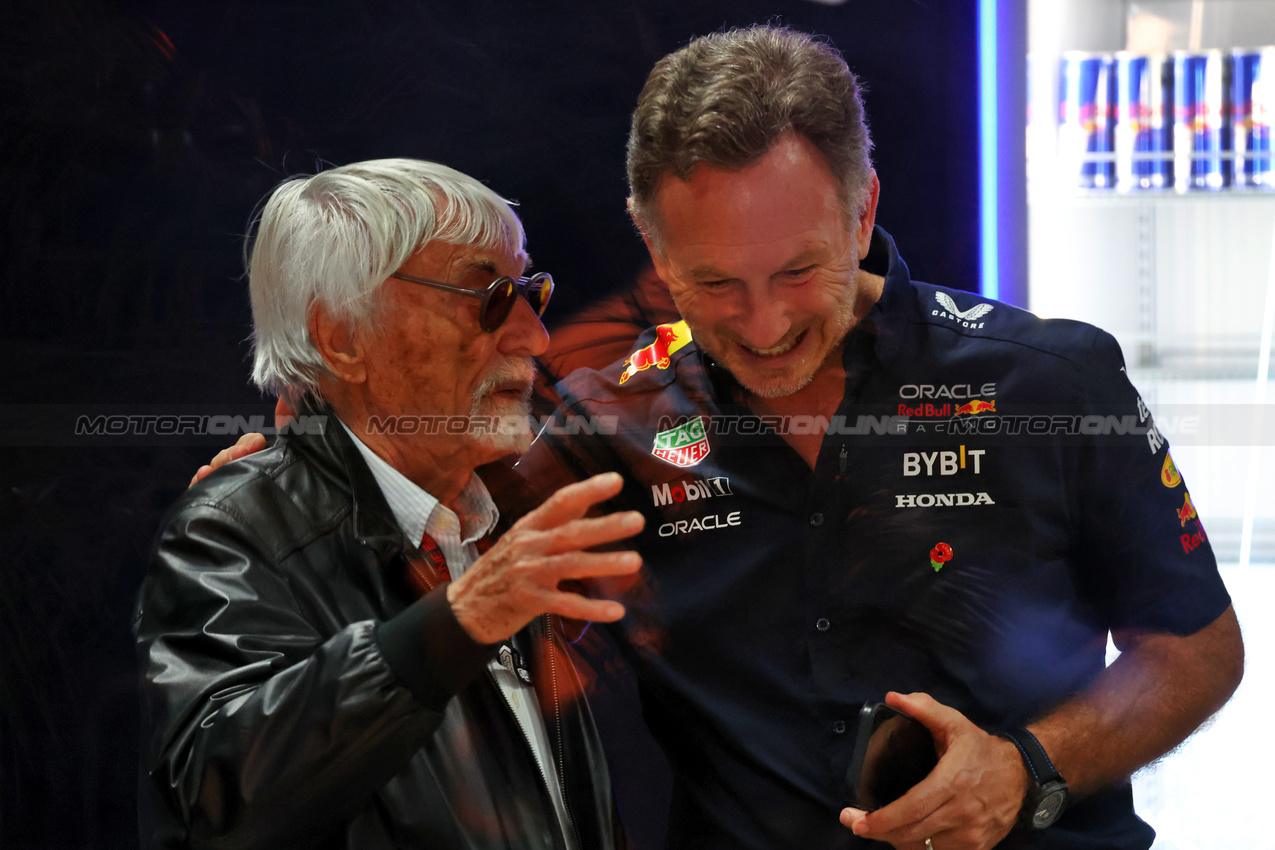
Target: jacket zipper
x=525, y=737
x=427, y=580
x=557, y=722
x=418, y=569
x=557, y=712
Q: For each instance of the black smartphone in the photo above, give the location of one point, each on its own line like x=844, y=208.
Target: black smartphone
x=892, y=752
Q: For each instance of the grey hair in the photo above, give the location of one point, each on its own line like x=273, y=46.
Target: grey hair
x=725, y=99
x=333, y=238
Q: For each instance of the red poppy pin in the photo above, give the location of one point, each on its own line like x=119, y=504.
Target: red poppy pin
x=940, y=555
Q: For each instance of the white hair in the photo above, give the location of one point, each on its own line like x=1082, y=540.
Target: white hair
x=333, y=239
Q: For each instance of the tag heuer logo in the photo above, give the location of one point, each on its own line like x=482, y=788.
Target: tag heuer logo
x=685, y=445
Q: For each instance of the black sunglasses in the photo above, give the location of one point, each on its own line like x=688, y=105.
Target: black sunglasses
x=500, y=297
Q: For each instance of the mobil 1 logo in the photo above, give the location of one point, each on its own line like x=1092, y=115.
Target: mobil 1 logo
x=690, y=490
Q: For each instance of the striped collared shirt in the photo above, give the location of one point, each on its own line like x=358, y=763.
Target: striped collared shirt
x=457, y=534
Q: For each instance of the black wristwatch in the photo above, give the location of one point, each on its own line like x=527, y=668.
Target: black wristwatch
x=1047, y=797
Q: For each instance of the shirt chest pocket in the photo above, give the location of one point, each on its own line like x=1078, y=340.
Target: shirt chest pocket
x=947, y=576
x=966, y=594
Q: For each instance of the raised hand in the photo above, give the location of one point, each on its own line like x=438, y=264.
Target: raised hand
x=517, y=579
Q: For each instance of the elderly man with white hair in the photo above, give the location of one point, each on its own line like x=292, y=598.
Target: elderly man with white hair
x=333, y=653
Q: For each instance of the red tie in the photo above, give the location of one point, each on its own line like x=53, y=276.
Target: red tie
x=426, y=574
x=435, y=556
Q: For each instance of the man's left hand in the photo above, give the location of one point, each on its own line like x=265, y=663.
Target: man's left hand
x=970, y=801
x=246, y=445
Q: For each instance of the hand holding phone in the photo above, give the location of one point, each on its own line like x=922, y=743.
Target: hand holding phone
x=892, y=752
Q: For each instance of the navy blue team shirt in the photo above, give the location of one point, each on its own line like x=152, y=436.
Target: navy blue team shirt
x=991, y=499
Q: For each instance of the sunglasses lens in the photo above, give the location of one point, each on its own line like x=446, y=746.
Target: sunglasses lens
x=499, y=303
x=504, y=294
x=539, y=290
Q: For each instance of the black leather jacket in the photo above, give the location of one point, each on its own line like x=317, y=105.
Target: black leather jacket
x=297, y=694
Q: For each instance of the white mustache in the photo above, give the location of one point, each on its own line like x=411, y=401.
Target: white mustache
x=520, y=371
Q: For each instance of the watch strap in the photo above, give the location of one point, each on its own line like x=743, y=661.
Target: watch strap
x=1034, y=756
x=1047, y=798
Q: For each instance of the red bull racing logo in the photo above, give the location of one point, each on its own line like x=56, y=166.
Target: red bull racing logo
x=976, y=407
x=685, y=445
x=1191, y=540
x=668, y=339
x=1187, y=512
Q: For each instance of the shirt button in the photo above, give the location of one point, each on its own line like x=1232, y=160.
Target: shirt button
x=816, y=519
x=822, y=624
x=839, y=727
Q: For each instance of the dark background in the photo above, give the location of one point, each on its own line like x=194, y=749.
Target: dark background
x=135, y=138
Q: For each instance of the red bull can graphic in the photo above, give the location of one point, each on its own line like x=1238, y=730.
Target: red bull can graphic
x=668, y=339
x=1201, y=121
x=1252, y=109
x=1144, y=121
x=1086, y=120
x=976, y=407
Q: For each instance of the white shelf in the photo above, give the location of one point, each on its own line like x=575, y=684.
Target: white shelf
x=1181, y=281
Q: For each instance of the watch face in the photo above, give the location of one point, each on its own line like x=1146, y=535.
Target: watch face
x=1049, y=807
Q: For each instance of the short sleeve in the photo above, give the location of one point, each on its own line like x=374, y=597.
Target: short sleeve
x=1144, y=548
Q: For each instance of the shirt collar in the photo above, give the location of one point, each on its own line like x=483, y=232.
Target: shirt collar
x=412, y=506
x=890, y=320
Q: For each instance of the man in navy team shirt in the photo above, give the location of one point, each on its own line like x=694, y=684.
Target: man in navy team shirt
x=954, y=500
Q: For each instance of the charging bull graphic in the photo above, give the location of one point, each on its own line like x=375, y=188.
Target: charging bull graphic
x=668, y=339
x=976, y=407
x=1187, y=511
